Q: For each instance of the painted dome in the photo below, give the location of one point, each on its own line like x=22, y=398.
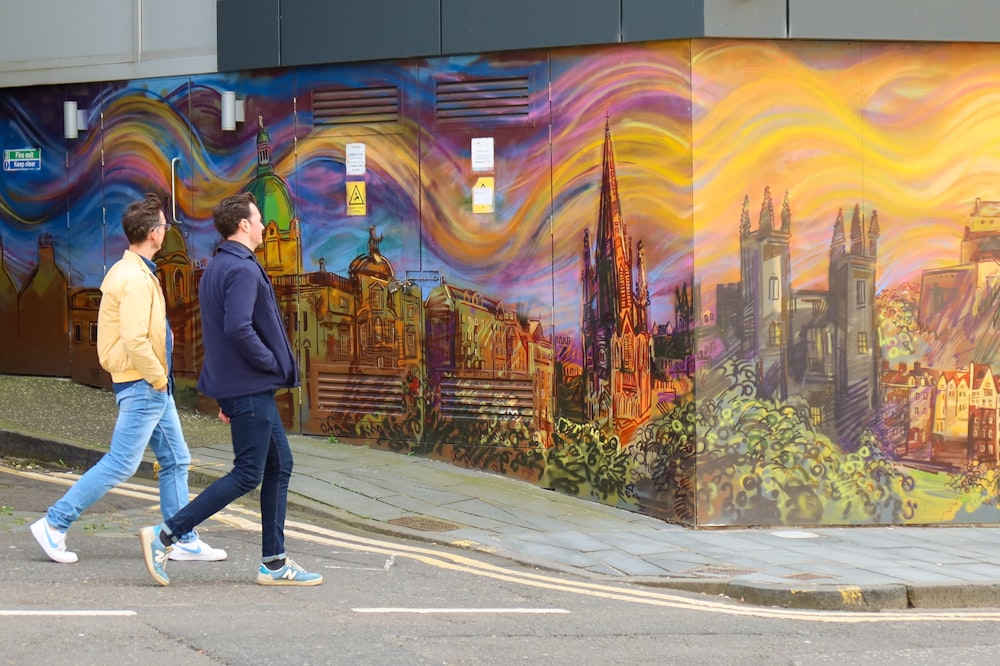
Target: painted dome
x=268, y=189
x=377, y=266
x=372, y=264
x=272, y=199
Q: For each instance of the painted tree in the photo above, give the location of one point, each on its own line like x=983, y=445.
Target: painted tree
x=754, y=461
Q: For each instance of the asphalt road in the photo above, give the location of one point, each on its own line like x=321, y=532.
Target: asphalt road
x=394, y=602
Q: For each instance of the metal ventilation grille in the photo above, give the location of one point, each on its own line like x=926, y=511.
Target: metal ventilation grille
x=504, y=399
x=380, y=394
x=356, y=106
x=504, y=99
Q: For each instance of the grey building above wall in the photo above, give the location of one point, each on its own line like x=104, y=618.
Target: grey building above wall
x=67, y=41
x=269, y=33
x=651, y=20
x=324, y=31
x=248, y=34
x=478, y=26
x=895, y=20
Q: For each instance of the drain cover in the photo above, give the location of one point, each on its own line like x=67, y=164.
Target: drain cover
x=794, y=534
x=423, y=524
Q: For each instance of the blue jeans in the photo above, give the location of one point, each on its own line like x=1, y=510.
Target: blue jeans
x=145, y=415
x=261, y=456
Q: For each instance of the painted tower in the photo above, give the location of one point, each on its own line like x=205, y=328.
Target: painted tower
x=855, y=326
x=281, y=251
x=767, y=293
x=179, y=279
x=377, y=316
x=43, y=315
x=617, y=346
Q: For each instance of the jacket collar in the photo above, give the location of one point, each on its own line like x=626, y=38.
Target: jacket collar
x=139, y=260
x=235, y=249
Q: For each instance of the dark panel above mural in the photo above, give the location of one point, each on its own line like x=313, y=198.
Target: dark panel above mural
x=718, y=282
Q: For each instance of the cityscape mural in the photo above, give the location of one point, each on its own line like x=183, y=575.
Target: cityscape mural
x=718, y=282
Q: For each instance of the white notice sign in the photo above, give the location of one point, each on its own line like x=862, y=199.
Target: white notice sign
x=355, y=159
x=482, y=154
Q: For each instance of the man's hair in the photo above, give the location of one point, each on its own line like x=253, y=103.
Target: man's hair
x=230, y=211
x=141, y=217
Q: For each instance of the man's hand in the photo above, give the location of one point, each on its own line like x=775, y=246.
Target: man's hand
x=223, y=417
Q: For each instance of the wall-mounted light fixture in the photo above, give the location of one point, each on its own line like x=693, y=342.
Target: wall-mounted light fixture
x=233, y=110
x=74, y=120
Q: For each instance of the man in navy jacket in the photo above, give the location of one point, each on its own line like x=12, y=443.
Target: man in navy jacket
x=247, y=358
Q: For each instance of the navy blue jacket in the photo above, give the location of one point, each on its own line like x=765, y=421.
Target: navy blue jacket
x=246, y=347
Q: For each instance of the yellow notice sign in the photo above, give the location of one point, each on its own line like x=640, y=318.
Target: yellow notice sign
x=356, y=202
x=482, y=195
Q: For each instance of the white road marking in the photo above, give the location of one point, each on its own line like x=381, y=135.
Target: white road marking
x=460, y=610
x=67, y=613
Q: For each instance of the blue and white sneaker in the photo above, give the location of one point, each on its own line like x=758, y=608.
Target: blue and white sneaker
x=196, y=551
x=290, y=574
x=155, y=554
x=52, y=541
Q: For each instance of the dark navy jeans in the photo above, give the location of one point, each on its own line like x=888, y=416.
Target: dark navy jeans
x=261, y=456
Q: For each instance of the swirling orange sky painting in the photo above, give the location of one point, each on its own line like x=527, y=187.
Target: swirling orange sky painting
x=912, y=131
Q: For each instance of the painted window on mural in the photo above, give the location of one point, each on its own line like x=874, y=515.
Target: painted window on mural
x=862, y=342
x=376, y=299
x=179, y=291
x=774, y=334
x=814, y=350
x=410, y=343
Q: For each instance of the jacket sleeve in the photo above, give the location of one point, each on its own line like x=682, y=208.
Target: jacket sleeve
x=240, y=302
x=135, y=313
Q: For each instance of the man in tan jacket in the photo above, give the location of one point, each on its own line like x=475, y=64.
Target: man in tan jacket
x=134, y=344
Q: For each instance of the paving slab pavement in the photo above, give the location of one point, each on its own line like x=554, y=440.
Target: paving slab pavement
x=850, y=568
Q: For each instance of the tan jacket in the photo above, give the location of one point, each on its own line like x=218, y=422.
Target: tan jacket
x=132, y=323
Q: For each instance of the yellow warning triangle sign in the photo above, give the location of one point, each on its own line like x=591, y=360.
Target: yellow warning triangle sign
x=356, y=199
x=357, y=196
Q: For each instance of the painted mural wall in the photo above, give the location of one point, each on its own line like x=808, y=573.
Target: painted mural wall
x=718, y=282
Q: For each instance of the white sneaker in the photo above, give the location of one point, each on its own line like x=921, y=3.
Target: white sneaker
x=52, y=541
x=196, y=551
